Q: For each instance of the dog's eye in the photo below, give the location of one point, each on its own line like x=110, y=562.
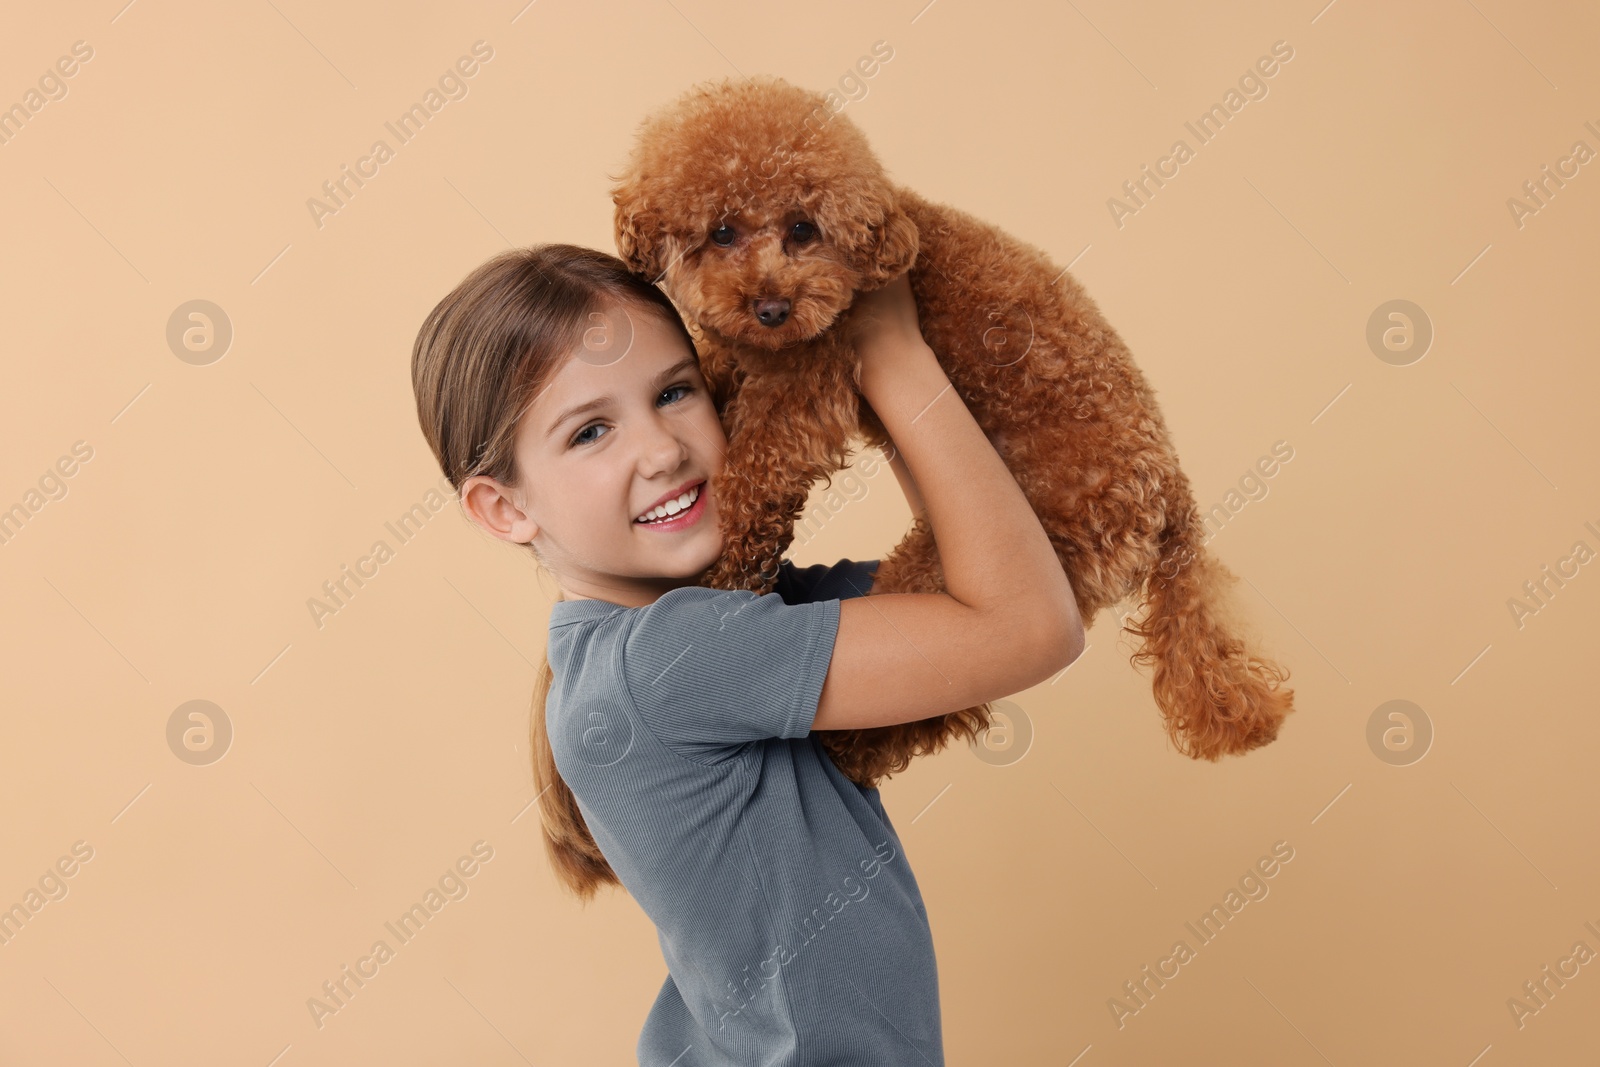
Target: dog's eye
x=723, y=235
x=802, y=232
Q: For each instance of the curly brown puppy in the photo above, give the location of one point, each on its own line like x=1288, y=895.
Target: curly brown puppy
x=762, y=212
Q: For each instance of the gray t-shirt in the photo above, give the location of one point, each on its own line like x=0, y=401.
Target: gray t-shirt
x=791, y=924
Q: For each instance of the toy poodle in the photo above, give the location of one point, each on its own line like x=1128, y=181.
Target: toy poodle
x=761, y=211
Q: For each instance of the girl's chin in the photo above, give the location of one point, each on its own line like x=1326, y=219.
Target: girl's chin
x=701, y=541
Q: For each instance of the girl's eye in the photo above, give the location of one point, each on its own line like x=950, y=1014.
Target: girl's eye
x=579, y=439
x=723, y=235
x=683, y=388
x=802, y=231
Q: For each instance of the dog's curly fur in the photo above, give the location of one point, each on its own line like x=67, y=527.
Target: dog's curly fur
x=1043, y=373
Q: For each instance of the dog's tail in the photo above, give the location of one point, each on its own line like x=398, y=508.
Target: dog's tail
x=1216, y=697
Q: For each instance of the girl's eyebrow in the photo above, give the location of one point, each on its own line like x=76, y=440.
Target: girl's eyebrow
x=602, y=401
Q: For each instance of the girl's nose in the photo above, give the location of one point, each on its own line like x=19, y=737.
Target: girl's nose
x=663, y=451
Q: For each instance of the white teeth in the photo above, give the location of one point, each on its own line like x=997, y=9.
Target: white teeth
x=671, y=507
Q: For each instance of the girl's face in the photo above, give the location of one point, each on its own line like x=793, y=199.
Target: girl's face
x=625, y=424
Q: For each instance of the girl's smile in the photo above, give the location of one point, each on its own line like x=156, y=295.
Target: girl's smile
x=677, y=511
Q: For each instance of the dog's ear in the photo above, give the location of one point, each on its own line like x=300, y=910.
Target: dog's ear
x=638, y=232
x=891, y=249
x=861, y=217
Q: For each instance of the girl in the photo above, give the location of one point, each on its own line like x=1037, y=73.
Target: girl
x=671, y=722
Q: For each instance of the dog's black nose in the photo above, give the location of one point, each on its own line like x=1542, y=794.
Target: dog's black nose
x=772, y=312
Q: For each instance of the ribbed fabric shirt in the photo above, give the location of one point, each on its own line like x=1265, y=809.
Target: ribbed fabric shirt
x=789, y=919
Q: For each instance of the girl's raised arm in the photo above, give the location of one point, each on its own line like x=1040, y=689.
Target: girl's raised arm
x=1008, y=619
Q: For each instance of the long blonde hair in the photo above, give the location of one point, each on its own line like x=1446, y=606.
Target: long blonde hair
x=481, y=356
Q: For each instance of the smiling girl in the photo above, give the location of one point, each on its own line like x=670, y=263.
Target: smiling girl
x=674, y=725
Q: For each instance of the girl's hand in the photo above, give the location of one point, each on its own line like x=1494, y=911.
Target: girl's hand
x=885, y=332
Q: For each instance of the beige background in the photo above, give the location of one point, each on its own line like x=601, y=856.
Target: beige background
x=372, y=752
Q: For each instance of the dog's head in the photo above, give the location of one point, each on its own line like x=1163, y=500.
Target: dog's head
x=760, y=210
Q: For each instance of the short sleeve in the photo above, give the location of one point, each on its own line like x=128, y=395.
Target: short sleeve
x=710, y=670
x=821, y=581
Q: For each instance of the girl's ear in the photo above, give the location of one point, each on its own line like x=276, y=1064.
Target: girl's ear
x=637, y=230
x=493, y=509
